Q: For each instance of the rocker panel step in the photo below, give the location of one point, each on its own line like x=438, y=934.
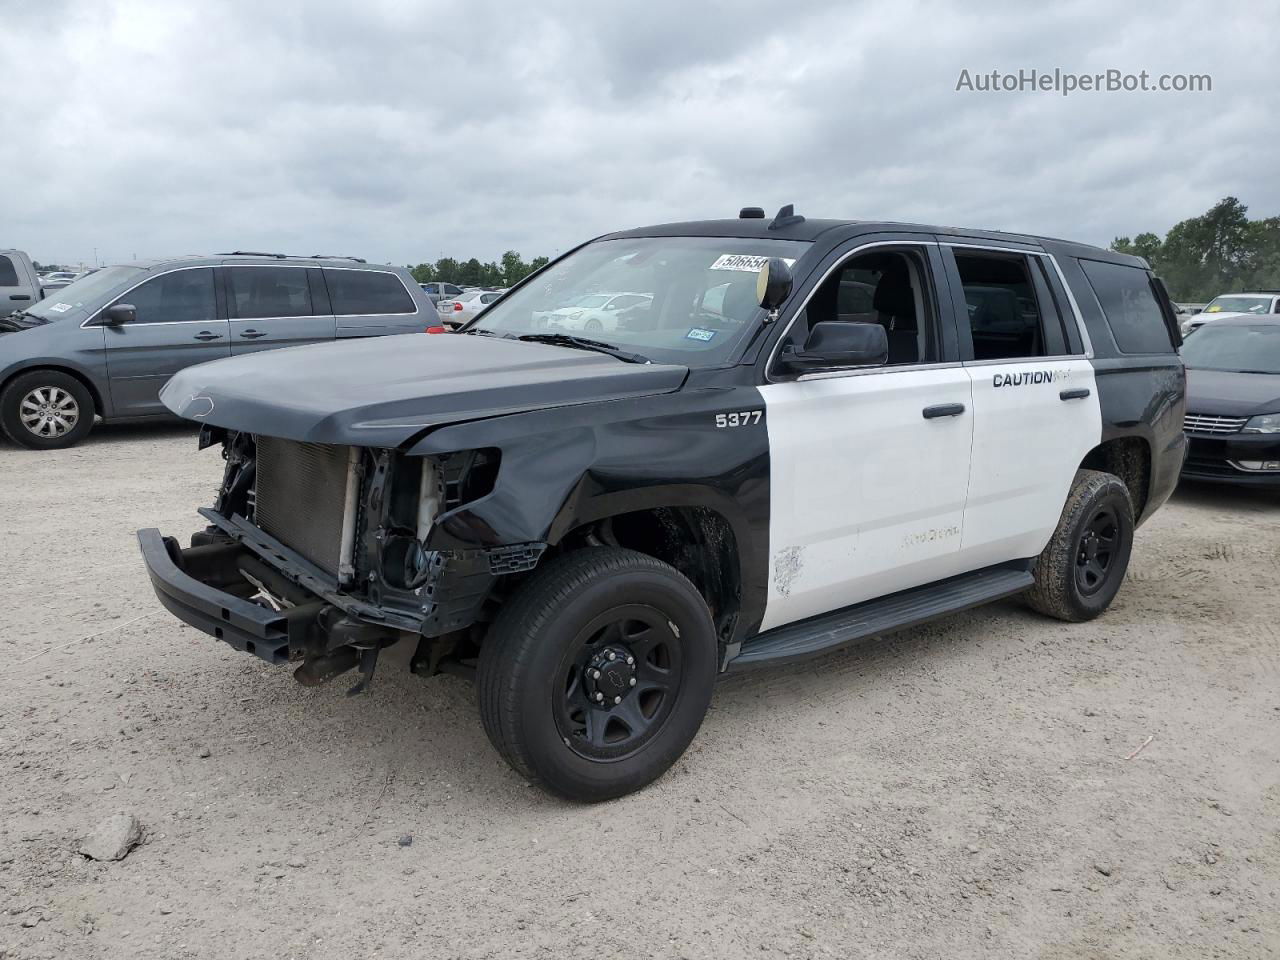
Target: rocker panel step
x=817, y=635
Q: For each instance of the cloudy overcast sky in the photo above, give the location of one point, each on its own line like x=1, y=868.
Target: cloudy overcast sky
x=402, y=131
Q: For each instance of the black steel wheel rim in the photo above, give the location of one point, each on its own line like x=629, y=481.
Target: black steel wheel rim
x=1096, y=553
x=618, y=682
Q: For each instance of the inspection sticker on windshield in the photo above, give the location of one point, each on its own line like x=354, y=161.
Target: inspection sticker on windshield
x=697, y=333
x=60, y=307
x=743, y=262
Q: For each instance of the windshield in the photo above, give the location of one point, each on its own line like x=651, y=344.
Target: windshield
x=1239, y=305
x=687, y=300
x=1238, y=349
x=85, y=291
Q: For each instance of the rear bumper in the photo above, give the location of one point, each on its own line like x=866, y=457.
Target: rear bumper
x=190, y=584
x=1213, y=459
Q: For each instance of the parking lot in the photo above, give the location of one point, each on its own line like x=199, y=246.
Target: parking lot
x=973, y=788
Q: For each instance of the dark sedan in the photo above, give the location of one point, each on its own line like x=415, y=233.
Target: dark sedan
x=1233, y=402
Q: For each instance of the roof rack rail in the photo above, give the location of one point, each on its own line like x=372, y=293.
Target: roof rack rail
x=253, y=253
x=335, y=256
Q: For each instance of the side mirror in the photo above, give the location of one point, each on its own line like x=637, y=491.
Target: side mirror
x=837, y=344
x=118, y=314
x=773, y=283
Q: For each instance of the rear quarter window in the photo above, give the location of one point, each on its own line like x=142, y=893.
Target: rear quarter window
x=1130, y=307
x=8, y=272
x=357, y=292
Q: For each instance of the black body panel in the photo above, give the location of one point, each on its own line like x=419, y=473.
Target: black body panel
x=1147, y=400
x=383, y=391
x=565, y=468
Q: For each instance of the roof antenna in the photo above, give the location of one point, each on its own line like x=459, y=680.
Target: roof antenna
x=786, y=217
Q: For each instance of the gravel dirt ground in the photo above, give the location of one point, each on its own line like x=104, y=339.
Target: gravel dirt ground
x=959, y=790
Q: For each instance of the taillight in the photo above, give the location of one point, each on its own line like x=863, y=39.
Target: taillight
x=437, y=329
x=457, y=305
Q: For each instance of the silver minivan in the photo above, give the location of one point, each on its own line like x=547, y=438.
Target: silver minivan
x=104, y=345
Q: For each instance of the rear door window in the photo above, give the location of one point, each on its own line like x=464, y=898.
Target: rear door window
x=258, y=293
x=366, y=292
x=1005, y=318
x=1130, y=306
x=181, y=296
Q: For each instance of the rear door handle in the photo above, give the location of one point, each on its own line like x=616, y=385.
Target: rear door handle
x=943, y=410
x=1079, y=394
x=207, y=335
x=19, y=296
x=252, y=334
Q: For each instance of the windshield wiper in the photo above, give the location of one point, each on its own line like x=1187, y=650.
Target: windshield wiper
x=481, y=332
x=582, y=343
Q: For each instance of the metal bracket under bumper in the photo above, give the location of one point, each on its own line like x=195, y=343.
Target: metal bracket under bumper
x=246, y=625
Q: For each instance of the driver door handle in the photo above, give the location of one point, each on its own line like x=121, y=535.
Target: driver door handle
x=251, y=334
x=19, y=296
x=1079, y=394
x=207, y=335
x=943, y=410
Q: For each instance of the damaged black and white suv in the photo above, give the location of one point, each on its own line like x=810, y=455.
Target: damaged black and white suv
x=774, y=437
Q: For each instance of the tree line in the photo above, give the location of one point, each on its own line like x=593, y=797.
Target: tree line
x=1220, y=251
x=473, y=273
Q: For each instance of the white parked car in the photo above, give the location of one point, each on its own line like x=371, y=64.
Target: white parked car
x=1234, y=305
x=466, y=306
x=595, y=312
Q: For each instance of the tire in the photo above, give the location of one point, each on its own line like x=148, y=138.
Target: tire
x=539, y=662
x=593, y=326
x=1081, y=569
x=46, y=410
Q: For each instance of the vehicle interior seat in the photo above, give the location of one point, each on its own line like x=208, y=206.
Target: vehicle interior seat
x=740, y=304
x=895, y=305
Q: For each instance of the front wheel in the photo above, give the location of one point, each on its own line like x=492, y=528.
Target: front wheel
x=597, y=673
x=1081, y=569
x=46, y=410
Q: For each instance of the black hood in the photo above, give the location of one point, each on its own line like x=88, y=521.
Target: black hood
x=379, y=392
x=1228, y=394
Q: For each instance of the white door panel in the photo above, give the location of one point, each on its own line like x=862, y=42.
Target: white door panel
x=866, y=495
x=1027, y=444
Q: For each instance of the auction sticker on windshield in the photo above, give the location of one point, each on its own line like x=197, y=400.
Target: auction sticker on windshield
x=697, y=333
x=743, y=262
x=60, y=307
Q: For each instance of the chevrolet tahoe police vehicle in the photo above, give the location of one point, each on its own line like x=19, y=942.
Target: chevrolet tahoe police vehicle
x=802, y=433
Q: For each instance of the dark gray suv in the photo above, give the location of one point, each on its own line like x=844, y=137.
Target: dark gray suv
x=107, y=343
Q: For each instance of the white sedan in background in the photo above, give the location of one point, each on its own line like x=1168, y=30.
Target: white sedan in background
x=595, y=312
x=467, y=305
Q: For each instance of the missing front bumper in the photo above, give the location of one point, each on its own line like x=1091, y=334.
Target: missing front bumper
x=215, y=607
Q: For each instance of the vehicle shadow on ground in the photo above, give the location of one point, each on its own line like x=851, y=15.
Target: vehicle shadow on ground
x=116, y=433
x=1221, y=496
x=440, y=738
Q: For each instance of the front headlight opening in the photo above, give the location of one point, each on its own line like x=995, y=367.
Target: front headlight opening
x=1263, y=423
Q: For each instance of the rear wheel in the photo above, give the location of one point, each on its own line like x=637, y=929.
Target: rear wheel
x=593, y=326
x=596, y=675
x=46, y=410
x=1081, y=569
